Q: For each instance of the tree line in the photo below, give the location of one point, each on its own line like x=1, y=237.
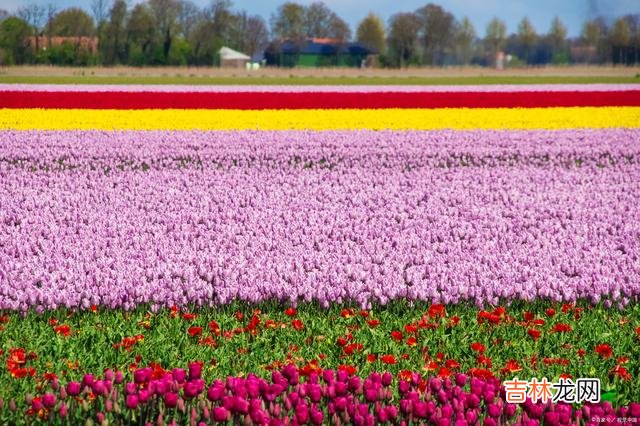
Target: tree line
x=177, y=32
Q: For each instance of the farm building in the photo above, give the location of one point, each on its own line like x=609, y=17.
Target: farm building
x=42, y=42
x=230, y=58
x=317, y=52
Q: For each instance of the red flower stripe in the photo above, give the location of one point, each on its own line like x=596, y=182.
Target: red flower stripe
x=309, y=100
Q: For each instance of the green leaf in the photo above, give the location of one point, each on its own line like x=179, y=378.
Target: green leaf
x=609, y=396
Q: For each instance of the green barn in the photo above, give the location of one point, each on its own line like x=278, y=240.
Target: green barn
x=317, y=52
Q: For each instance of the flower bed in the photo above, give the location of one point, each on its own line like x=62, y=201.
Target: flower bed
x=333, y=217
x=353, y=265
x=337, y=397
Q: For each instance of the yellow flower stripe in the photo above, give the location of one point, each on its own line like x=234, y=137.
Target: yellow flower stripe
x=319, y=119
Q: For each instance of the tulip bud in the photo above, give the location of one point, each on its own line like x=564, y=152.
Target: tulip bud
x=143, y=396
x=220, y=414
x=87, y=380
x=461, y=380
x=131, y=402
x=171, y=399
x=73, y=388
x=317, y=417
x=140, y=375
x=48, y=400
x=195, y=370
x=178, y=375
x=108, y=374
x=130, y=388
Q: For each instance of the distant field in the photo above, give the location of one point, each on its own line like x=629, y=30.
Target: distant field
x=417, y=76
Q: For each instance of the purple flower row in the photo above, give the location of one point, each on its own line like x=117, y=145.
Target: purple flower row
x=160, y=396
x=125, y=218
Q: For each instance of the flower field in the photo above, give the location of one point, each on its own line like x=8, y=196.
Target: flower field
x=318, y=255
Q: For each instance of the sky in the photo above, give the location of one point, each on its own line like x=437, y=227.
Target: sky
x=572, y=12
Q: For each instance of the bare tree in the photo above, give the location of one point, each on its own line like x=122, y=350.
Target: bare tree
x=188, y=17
x=141, y=31
x=437, y=32
x=620, y=37
x=33, y=14
x=114, y=44
x=320, y=21
x=594, y=34
x=557, y=35
x=403, y=37
x=100, y=10
x=51, y=12
x=289, y=22
x=495, y=36
x=166, y=14
x=254, y=34
x=465, y=35
x=219, y=13
x=527, y=38
x=212, y=27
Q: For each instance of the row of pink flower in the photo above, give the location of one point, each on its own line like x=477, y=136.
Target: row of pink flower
x=294, y=396
x=318, y=88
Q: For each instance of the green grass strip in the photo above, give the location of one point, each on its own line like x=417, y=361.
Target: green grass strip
x=303, y=80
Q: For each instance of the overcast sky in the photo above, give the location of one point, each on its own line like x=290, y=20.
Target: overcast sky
x=541, y=12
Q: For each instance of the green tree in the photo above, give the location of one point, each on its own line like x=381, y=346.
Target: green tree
x=404, y=29
x=13, y=31
x=465, y=36
x=371, y=33
x=527, y=38
x=437, y=32
x=72, y=22
x=114, y=47
x=141, y=34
